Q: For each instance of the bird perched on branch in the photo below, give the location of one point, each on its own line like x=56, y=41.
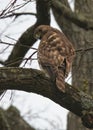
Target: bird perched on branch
x=55, y=54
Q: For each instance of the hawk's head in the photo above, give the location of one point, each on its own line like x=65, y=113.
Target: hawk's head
x=41, y=30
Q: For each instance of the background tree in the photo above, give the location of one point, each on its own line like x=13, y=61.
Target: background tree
x=83, y=65
x=77, y=26
x=82, y=39
x=11, y=119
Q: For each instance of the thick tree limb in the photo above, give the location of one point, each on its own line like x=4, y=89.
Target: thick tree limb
x=31, y=80
x=76, y=18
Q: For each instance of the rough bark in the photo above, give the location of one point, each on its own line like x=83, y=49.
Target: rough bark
x=82, y=67
x=77, y=18
x=35, y=81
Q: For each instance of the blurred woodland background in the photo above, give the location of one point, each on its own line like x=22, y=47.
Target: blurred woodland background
x=19, y=50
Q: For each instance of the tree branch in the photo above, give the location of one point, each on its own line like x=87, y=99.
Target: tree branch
x=27, y=39
x=76, y=18
x=31, y=80
x=17, y=14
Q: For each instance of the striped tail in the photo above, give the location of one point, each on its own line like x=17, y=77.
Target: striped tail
x=60, y=80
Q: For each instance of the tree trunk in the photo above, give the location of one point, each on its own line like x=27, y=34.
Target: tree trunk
x=82, y=72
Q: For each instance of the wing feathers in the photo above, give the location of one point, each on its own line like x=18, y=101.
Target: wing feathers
x=55, y=54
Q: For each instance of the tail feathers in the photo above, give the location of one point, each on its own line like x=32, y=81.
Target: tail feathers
x=60, y=81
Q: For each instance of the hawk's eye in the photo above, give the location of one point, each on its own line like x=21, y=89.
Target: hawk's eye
x=37, y=34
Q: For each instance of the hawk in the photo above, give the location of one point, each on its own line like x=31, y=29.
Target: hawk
x=55, y=54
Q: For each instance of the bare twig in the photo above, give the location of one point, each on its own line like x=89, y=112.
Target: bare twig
x=10, y=44
x=18, y=14
x=11, y=8
x=29, y=58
